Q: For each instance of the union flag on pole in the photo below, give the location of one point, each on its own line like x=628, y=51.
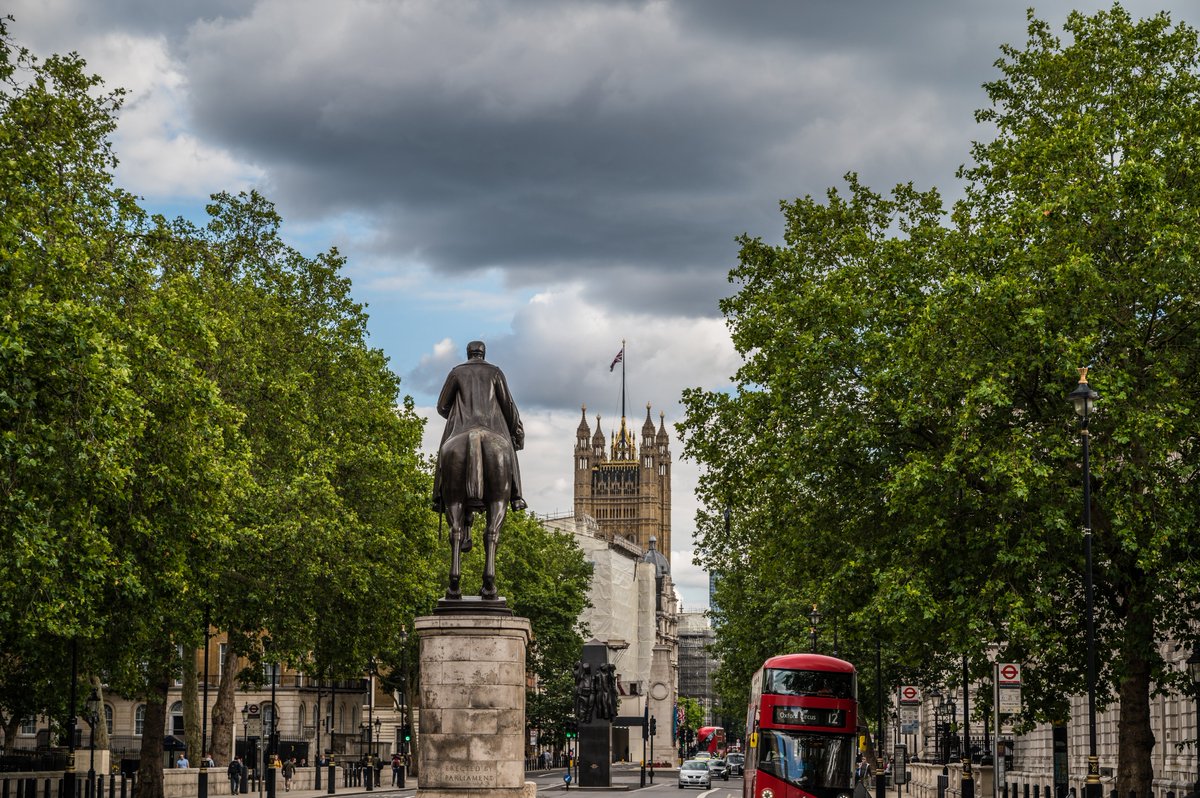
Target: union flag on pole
x=620, y=356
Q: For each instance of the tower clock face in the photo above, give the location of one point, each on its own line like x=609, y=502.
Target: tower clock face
x=659, y=691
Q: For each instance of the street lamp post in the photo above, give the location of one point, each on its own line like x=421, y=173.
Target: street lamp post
x=202, y=787
x=936, y=695
x=814, y=619
x=968, y=782
x=370, y=723
x=92, y=717
x=1083, y=397
x=272, y=740
x=1193, y=664
x=247, y=759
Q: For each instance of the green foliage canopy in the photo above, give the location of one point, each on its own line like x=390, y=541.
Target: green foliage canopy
x=899, y=448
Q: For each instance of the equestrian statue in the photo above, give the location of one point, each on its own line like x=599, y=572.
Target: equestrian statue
x=477, y=469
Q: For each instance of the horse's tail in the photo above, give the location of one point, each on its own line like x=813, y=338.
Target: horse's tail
x=474, y=466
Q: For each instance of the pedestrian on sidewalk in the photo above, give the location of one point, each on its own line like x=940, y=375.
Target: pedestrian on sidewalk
x=235, y=775
x=289, y=770
x=395, y=770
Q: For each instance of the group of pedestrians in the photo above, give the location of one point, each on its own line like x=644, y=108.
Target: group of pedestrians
x=237, y=772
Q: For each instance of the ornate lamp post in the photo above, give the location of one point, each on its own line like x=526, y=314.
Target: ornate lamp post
x=370, y=722
x=814, y=619
x=92, y=716
x=244, y=786
x=936, y=696
x=1083, y=397
x=1193, y=665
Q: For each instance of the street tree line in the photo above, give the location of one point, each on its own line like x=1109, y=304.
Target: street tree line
x=898, y=448
x=196, y=435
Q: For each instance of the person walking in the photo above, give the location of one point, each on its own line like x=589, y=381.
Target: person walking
x=395, y=770
x=289, y=770
x=234, y=771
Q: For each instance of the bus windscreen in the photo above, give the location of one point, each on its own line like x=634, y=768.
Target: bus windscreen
x=808, y=683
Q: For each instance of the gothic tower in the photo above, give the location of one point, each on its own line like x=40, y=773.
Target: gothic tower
x=628, y=494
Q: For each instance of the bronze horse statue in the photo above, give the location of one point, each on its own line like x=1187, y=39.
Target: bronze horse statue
x=477, y=470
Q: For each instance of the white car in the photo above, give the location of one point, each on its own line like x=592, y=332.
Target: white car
x=694, y=773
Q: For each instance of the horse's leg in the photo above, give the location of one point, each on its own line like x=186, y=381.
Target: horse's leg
x=454, y=514
x=495, y=518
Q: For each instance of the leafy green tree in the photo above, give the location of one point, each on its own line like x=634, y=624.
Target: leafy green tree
x=193, y=423
x=899, y=448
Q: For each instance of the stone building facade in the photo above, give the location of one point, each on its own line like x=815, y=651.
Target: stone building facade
x=633, y=611
x=1173, y=721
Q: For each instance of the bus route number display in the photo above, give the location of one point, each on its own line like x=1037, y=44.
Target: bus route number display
x=807, y=716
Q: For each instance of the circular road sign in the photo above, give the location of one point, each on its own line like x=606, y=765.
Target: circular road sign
x=1010, y=673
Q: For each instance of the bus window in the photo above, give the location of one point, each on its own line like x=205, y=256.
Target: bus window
x=808, y=683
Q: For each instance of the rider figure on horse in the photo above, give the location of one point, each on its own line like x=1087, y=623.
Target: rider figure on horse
x=476, y=396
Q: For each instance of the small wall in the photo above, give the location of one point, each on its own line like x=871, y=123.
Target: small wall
x=182, y=782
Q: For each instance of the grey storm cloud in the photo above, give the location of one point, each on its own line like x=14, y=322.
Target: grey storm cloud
x=620, y=144
x=559, y=141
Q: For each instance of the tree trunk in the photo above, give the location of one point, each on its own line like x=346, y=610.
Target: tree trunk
x=224, y=714
x=12, y=725
x=191, y=709
x=101, y=730
x=1135, y=768
x=150, y=768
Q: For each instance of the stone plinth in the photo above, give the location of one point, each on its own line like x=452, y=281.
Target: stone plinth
x=472, y=734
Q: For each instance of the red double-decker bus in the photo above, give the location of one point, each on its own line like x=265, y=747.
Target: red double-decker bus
x=801, y=725
x=711, y=739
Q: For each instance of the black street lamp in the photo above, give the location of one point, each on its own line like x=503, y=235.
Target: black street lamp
x=968, y=782
x=1193, y=665
x=373, y=668
x=202, y=785
x=249, y=757
x=92, y=716
x=1083, y=397
x=814, y=619
x=936, y=696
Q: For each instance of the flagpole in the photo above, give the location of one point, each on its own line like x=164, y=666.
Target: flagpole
x=622, y=378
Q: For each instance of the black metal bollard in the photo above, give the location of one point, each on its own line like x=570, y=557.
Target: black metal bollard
x=400, y=776
x=332, y=780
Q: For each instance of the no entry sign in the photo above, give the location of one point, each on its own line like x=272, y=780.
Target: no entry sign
x=1009, y=673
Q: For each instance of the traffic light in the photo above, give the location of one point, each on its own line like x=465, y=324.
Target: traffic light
x=653, y=726
x=406, y=730
x=572, y=730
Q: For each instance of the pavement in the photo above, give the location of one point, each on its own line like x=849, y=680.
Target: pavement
x=625, y=776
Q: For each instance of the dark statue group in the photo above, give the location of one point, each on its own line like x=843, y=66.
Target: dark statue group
x=595, y=693
x=477, y=469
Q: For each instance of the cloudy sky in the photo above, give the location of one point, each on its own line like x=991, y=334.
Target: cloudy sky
x=551, y=177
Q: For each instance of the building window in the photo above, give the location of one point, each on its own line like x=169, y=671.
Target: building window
x=221, y=660
x=28, y=726
x=108, y=715
x=176, y=725
x=271, y=673
x=300, y=719
x=179, y=653
x=139, y=719
x=268, y=716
